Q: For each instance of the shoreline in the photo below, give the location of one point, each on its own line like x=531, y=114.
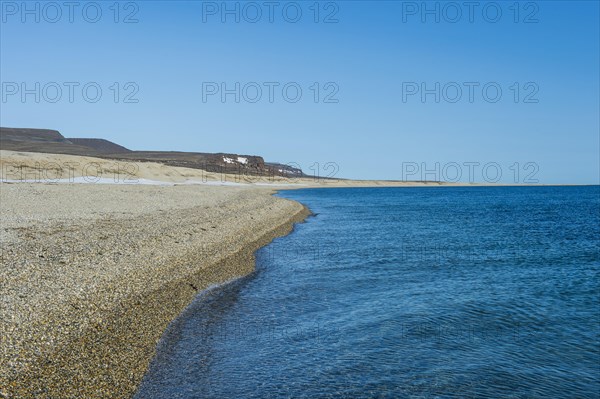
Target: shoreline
x=93, y=335
x=93, y=274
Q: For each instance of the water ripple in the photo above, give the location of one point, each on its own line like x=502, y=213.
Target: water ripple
x=404, y=293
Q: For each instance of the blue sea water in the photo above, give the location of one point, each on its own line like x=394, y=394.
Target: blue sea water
x=489, y=292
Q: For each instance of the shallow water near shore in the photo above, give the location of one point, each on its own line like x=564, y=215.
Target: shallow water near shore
x=480, y=292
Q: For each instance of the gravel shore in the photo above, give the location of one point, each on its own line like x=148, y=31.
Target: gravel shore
x=91, y=275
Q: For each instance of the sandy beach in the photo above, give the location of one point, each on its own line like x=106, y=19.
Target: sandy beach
x=92, y=275
x=17, y=166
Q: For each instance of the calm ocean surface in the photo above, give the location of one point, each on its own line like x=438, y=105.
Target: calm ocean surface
x=404, y=293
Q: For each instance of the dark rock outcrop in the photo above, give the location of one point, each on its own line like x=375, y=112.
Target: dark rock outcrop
x=51, y=141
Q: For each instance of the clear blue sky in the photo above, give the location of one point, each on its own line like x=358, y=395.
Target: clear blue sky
x=375, y=53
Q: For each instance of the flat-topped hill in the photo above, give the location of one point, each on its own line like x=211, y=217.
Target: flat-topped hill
x=52, y=142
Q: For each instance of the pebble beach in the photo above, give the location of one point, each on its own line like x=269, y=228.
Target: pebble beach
x=91, y=275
